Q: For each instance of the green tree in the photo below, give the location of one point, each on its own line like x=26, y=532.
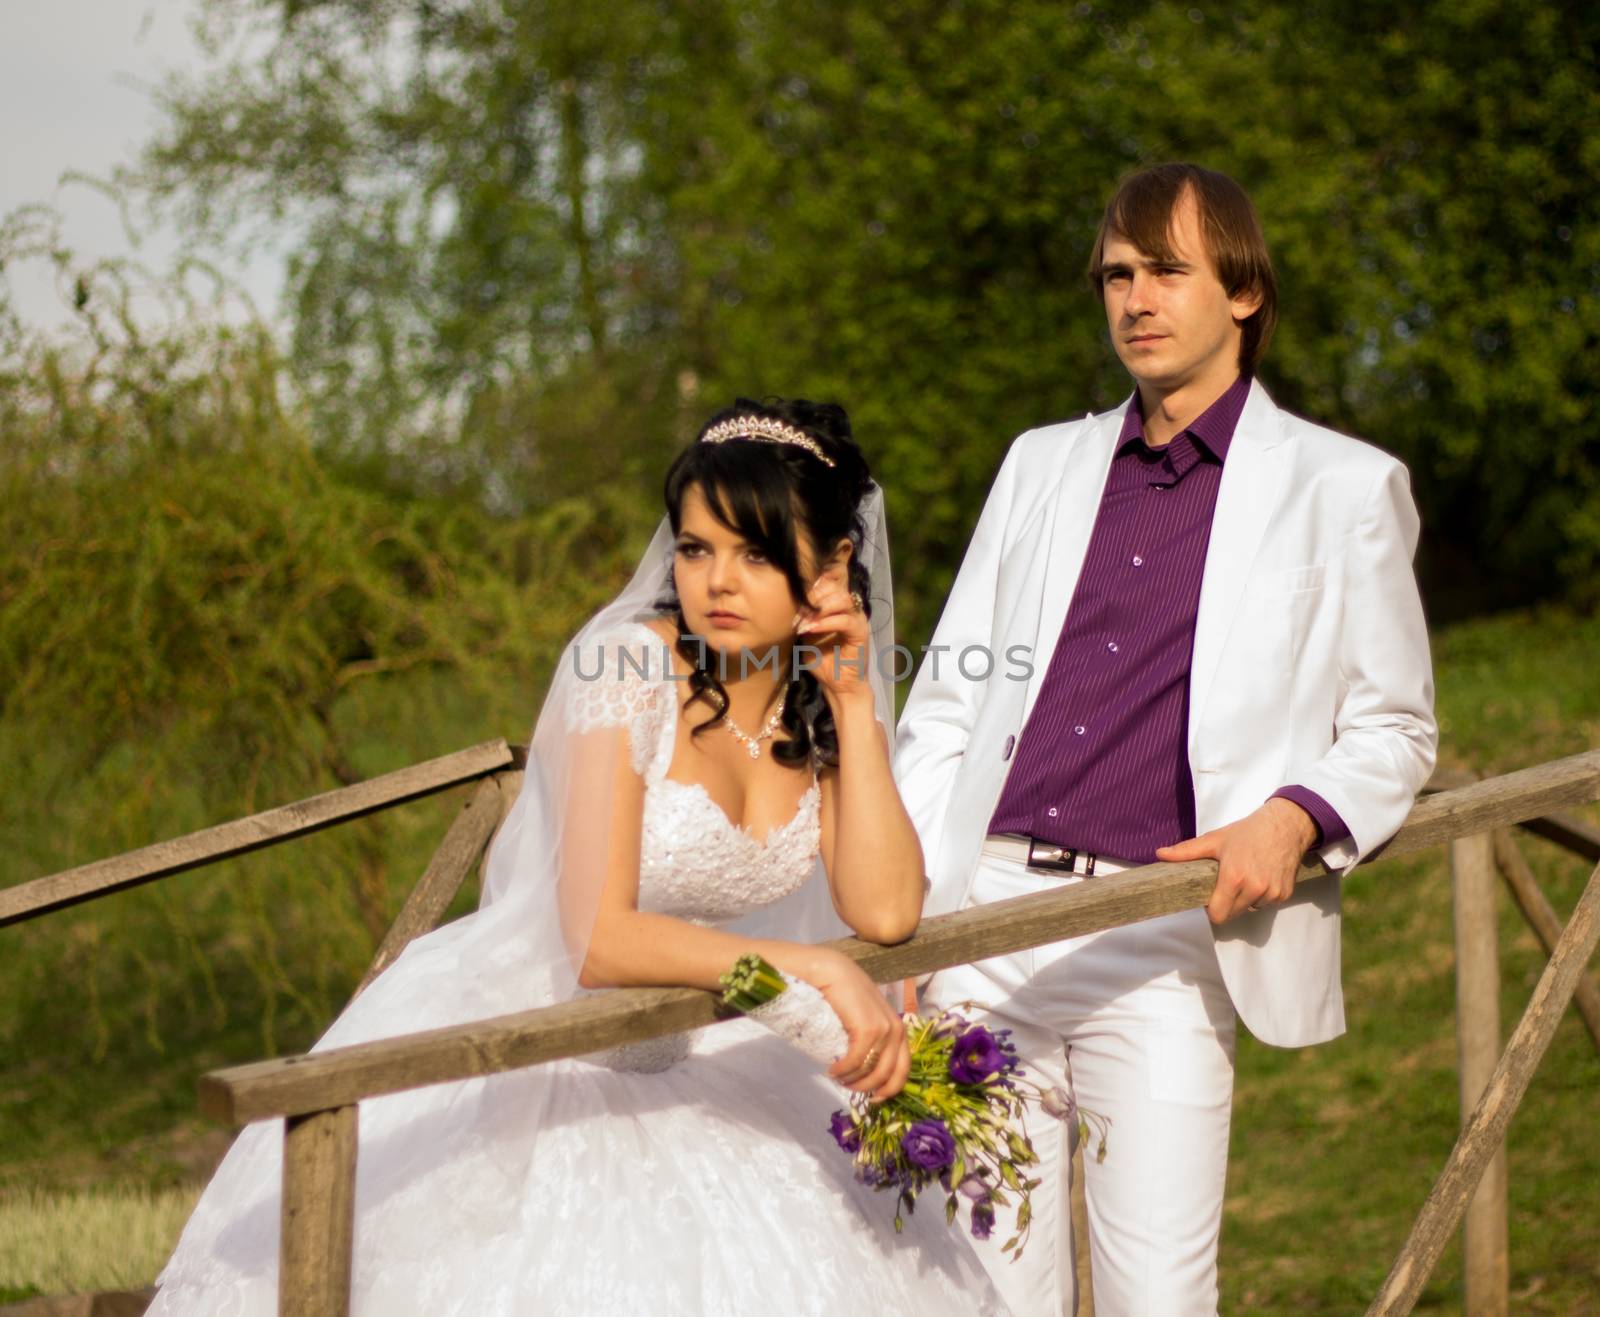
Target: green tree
x=566, y=234
x=455, y=178
x=201, y=615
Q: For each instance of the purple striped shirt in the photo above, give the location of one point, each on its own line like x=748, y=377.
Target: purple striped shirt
x=1102, y=764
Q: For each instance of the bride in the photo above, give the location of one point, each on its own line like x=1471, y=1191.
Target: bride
x=709, y=776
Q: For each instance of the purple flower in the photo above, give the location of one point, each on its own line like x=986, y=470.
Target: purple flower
x=844, y=1132
x=976, y=1057
x=974, y=1187
x=928, y=1145
x=874, y=1176
x=982, y=1220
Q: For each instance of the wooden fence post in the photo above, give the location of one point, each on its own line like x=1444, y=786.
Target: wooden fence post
x=463, y=846
x=1484, y=1246
x=319, y=1207
x=1544, y=921
x=1572, y=834
x=1486, y=1129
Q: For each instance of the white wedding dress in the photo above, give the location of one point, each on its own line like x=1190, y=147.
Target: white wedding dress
x=692, y=1175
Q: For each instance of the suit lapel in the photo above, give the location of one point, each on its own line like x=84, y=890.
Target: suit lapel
x=1072, y=517
x=1252, y=478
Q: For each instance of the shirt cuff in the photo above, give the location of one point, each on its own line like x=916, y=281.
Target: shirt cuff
x=1331, y=828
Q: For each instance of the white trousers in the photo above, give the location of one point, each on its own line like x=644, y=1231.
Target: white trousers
x=1136, y=1023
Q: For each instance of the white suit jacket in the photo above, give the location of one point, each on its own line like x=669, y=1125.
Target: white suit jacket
x=1310, y=667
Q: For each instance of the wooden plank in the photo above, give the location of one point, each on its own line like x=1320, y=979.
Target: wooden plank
x=1582, y=839
x=1576, y=836
x=107, y=1303
x=510, y=783
x=316, y=1246
x=1546, y=924
x=1448, y=779
x=1079, y=1208
x=1486, y=1128
x=308, y=1083
x=461, y=848
x=508, y=1042
x=1485, y=1248
x=1498, y=802
x=57, y=891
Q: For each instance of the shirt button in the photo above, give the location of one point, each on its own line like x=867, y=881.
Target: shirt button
x=1112, y=646
x=1138, y=561
x=1052, y=811
x=1079, y=730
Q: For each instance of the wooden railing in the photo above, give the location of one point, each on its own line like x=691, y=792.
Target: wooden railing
x=495, y=766
x=1474, y=862
x=131, y=869
x=318, y=1094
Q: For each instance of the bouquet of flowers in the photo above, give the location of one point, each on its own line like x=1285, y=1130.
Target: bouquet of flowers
x=957, y=1123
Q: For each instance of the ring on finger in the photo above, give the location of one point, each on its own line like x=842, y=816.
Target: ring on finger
x=871, y=1058
x=857, y=601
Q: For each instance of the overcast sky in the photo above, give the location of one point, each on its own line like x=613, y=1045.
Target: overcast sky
x=74, y=95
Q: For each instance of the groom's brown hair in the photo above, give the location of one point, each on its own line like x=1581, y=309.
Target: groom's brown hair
x=1141, y=211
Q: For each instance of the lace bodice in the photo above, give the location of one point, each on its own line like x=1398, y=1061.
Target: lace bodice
x=695, y=862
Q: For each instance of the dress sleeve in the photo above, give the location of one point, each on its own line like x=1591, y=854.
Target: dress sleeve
x=618, y=682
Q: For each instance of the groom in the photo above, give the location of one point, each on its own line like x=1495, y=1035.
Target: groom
x=1229, y=661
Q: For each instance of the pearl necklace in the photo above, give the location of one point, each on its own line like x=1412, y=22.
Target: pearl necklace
x=753, y=743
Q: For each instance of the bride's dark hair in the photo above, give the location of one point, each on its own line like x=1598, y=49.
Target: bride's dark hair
x=767, y=493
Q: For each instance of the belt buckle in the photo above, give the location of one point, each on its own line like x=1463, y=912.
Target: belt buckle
x=1057, y=859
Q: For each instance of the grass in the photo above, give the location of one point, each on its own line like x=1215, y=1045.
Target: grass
x=1335, y=1147
x=109, y=1011
x=86, y=1241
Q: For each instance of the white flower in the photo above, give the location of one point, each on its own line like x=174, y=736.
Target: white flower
x=1058, y=1102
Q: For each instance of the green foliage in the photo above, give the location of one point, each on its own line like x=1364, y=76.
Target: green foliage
x=186, y=563
x=656, y=207
x=454, y=175
x=531, y=245
x=201, y=615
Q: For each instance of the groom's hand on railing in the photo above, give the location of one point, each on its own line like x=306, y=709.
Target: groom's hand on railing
x=1257, y=857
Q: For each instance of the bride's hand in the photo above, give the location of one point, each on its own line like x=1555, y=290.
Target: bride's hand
x=835, y=623
x=877, y=1060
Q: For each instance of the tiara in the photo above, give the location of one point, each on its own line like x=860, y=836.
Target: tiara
x=766, y=430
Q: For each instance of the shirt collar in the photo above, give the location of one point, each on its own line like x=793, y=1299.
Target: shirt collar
x=1212, y=429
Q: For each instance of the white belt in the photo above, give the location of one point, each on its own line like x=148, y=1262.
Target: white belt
x=1046, y=857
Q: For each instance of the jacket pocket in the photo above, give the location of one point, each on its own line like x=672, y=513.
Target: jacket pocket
x=1295, y=580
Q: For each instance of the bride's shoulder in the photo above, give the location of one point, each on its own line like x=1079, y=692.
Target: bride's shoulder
x=619, y=674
